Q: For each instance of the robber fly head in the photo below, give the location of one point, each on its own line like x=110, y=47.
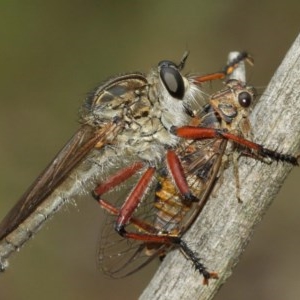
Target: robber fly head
x=171, y=78
x=174, y=91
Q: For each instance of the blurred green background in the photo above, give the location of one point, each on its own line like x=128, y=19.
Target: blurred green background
x=52, y=53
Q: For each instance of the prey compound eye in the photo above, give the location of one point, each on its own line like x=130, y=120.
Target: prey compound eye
x=172, y=79
x=245, y=99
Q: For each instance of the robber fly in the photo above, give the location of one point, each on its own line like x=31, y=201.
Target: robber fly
x=220, y=133
x=126, y=119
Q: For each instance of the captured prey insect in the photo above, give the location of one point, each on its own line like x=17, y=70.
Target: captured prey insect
x=155, y=224
x=126, y=119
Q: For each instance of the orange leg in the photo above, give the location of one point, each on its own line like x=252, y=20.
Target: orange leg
x=227, y=70
x=179, y=177
x=195, y=133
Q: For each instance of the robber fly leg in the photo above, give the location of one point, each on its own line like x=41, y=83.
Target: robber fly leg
x=227, y=70
x=125, y=213
x=113, y=181
x=190, y=254
x=196, y=133
x=177, y=172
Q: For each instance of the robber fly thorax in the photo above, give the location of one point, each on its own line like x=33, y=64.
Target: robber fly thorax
x=143, y=108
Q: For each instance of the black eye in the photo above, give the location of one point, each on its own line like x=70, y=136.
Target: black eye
x=171, y=79
x=245, y=99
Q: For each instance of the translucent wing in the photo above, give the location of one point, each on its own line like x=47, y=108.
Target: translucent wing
x=71, y=154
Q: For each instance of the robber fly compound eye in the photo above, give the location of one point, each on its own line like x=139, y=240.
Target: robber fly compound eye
x=172, y=79
x=245, y=99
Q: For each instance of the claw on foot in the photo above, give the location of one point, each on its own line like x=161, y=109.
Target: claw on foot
x=208, y=276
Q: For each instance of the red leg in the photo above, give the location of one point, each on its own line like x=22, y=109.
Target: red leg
x=146, y=227
x=179, y=177
x=190, y=132
x=133, y=200
x=150, y=233
x=116, y=179
x=196, y=133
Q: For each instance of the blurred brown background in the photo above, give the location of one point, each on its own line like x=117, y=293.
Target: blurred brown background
x=52, y=53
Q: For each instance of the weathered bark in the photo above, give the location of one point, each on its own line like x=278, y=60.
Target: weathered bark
x=225, y=226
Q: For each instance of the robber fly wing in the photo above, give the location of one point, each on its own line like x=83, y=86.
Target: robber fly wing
x=119, y=257
x=85, y=139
